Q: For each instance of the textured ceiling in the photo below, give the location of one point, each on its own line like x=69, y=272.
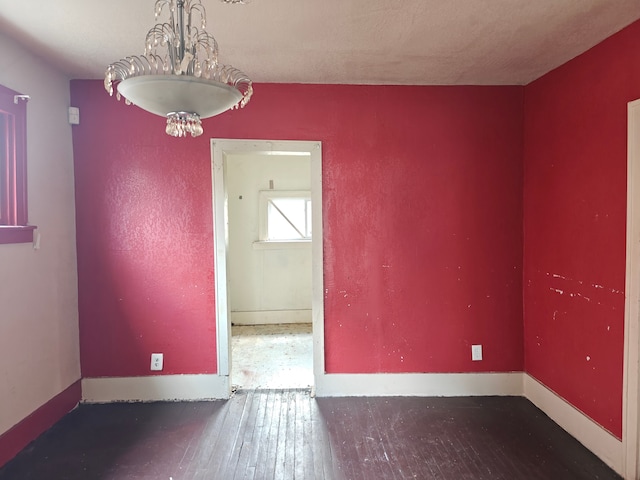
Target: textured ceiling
x=406, y=42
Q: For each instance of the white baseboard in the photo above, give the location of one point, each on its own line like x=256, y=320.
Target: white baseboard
x=205, y=387
x=419, y=384
x=154, y=388
x=602, y=443
x=271, y=317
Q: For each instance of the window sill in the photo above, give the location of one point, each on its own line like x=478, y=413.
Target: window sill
x=16, y=234
x=281, y=245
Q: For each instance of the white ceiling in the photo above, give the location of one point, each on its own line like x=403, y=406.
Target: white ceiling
x=405, y=42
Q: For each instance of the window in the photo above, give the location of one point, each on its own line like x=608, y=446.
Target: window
x=13, y=168
x=285, y=216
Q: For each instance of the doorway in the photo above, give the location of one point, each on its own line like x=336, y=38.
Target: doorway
x=268, y=264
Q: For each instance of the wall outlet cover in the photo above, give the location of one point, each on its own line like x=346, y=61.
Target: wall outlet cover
x=74, y=116
x=476, y=352
x=157, y=361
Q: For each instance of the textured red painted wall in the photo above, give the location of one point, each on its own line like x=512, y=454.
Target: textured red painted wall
x=422, y=227
x=144, y=230
x=575, y=221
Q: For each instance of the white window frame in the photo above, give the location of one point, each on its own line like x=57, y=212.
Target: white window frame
x=263, y=204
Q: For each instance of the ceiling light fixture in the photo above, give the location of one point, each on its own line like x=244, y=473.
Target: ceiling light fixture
x=179, y=76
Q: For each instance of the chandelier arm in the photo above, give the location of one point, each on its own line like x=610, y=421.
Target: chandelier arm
x=172, y=11
x=165, y=36
x=145, y=65
x=160, y=4
x=198, y=7
x=121, y=69
x=137, y=64
x=206, y=39
x=161, y=31
x=208, y=46
x=155, y=62
x=162, y=35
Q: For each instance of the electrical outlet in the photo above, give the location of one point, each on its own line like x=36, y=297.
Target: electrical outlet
x=74, y=116
x=157, y=359
x=476, y=352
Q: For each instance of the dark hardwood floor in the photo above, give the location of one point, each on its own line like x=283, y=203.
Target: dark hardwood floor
x=286, y=434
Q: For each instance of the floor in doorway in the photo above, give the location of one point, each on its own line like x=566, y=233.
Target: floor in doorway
x=272, y=356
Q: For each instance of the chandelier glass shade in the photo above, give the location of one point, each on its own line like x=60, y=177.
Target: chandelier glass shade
x=178, y=76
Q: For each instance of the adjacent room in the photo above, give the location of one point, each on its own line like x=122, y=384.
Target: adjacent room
x=269, y=268
x=404, y=244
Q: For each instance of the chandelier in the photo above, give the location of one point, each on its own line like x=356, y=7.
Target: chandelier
x=179, y=76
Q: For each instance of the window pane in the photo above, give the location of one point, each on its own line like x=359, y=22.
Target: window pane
x=13, y=168
x=308, y=217
x=288, y=218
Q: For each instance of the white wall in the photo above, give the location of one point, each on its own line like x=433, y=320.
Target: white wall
x=266, y=285
x=39, y=343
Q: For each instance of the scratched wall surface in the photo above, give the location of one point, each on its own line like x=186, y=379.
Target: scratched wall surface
x=423, y=232
x=575, y=217
x=422, y=227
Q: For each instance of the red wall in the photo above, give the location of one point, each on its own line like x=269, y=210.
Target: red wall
x=575, y=220
x=422, y=227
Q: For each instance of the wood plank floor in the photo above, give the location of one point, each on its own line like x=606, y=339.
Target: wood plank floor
x=286, y=434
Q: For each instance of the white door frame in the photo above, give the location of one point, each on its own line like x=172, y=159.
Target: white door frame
x=220, y=150
x=630, y=408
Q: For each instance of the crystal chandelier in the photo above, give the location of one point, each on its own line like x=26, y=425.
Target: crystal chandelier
x=179, y=76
